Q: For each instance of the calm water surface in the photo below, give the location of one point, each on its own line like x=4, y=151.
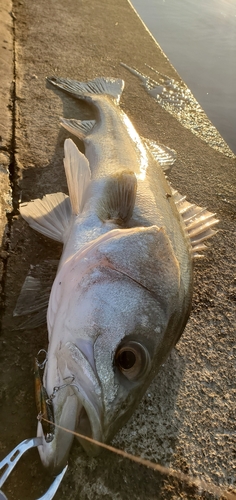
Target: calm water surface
x=199, y=38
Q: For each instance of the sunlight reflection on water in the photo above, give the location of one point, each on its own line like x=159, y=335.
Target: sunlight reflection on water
x=199, y=38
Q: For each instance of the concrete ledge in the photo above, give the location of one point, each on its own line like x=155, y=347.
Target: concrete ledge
x=186, y=418
x=6, y=79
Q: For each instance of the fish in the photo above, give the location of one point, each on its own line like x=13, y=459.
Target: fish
x=123, y=288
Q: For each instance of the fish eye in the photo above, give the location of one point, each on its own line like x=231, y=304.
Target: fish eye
x=132, y=359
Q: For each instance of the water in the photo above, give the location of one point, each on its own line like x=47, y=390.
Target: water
x=199, y=38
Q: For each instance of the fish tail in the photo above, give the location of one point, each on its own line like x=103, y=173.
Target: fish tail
x=99, y=86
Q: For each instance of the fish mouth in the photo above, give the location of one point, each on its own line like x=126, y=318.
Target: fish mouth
x=88, y=424
x=77, y=408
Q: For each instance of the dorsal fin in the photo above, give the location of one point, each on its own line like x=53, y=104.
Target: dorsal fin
x=118, y=199
x=164, y=155
x=78, y=175
x=198, y=222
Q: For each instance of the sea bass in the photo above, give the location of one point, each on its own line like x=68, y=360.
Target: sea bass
x=123, y=289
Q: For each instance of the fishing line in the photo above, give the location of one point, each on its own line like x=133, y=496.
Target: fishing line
x=199, y=483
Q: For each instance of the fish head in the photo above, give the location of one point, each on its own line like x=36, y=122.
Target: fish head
x=115, y=311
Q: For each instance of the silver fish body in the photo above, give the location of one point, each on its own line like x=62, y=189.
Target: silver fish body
x=123, y=290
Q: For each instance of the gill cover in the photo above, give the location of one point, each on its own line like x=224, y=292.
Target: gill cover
x=145, y=255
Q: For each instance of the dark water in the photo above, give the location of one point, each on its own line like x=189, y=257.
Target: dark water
x=199, y=38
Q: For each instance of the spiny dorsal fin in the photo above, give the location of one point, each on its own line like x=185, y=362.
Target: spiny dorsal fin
x=164, y=155
x=198, y=222
x=78, y=127
x=49, y=216
x=78, y=175
x=107, y=86
x=118, y=199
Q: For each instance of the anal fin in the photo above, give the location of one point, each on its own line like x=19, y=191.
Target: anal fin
x=80, y=128
x=118, y=199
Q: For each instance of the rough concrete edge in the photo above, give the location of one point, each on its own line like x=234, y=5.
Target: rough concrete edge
x=7, y=91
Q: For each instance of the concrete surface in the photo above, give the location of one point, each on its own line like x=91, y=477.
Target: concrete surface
x=6, y=113
x=187, y=417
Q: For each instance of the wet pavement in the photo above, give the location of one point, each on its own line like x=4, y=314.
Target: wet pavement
x=186, y=420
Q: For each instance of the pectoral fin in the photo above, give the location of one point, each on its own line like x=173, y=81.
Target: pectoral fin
x=118, y=199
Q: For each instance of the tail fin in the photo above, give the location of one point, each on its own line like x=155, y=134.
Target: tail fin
x=107, y=86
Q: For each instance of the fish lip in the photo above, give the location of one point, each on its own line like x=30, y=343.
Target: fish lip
x=88, y=424
x=88, y=391
x=77, y=406
x=54, y=454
